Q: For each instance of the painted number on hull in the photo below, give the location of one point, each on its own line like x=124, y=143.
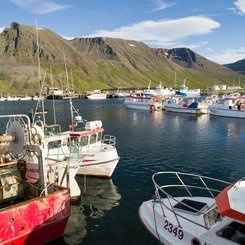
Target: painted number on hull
x=174, y=230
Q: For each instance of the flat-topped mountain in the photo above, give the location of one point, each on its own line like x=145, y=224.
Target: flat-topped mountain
x=98, y=63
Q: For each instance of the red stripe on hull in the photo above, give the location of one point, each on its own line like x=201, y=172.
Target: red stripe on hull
x=36, y=221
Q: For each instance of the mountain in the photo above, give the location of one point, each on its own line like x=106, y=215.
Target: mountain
x=98, y=63
x=238, y=66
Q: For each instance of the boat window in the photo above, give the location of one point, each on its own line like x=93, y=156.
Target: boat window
x=92, y=139
x=72, y=141
x=54, y=144
x=234, y=232
x=211, y=217
x=191, y=206
x=100, y=136
x=84, y=141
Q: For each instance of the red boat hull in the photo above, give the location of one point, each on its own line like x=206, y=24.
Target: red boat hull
x=36, y=221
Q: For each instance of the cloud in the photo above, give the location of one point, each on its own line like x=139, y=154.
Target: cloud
x=160, y=5
x=66, y=37
x=1, y=29
x=39, y=6
x=228, y=56
x=240, y=6
x=162, y=32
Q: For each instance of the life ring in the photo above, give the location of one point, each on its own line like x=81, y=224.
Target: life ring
x=152, y=107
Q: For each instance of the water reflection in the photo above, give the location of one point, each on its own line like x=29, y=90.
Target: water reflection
x=99, y=196
x=75, y=229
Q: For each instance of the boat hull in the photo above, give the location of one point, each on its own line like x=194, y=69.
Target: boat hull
x=227, y=112
x=98, y=168
x=168, y=232
x=97, y=97
x=198, y=111
x=36, y=221
x=144, y=107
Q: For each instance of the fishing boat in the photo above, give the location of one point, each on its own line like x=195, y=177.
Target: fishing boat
x=119, y=94
x=58, y=155
x=166, y=92
x=55, y=93
x=58, y=152
x=97, y=151
x=193, y=209
x=229, y=107
x=144, y=102
x=97, y=95
x=190, y=105
x=184, y=91
x=31, y=213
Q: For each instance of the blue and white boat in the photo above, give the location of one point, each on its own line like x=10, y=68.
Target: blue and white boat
x=184, y=105
x=184, y=91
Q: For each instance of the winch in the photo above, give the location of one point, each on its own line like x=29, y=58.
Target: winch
x=11, y=176
x=11, y=185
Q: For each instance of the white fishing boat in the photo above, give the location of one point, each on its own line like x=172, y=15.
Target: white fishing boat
x=193, y=209
x=97, y=95
x=54, y=93
x=59, y=158
x=189, y=105
x=228, y=107
x=144, y=102
x=98, y=151
x=119, y=94
x=184, y=91
x=166, y=92
x=58, y=152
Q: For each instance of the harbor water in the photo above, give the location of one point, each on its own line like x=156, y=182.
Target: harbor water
x=147, y=142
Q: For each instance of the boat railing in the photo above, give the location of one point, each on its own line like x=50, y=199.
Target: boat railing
x=108, y=142
x=191, y=184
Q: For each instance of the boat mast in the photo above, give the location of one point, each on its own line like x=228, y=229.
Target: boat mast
x=67, y=77
x=52, y=84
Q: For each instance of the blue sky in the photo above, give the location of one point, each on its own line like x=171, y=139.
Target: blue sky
x=212, y=28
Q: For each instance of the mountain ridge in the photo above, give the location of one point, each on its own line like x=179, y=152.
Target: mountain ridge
x=99, y=63
x=238, y=66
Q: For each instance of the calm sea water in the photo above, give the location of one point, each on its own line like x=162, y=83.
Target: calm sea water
x=146, y=142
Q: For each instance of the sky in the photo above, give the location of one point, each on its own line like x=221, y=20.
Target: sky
x=212, y=28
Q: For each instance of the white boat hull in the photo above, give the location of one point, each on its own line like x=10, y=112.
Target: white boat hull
x=228, y=112
x=98, y=168
x=55, y=174
x=142, y=104
x=96, y=97
x=142, y=107
x=98, y=163
x=198, y=111
x=168, y=232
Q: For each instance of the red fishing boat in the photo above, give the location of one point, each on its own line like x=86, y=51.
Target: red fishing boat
x=30, y=213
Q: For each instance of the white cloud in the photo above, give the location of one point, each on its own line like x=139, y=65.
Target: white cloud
x=160, y=5
x=228, y=56
x=1, y=29
x=39, y=6
x=240, y=6
x=66, y=37
x=162, y=33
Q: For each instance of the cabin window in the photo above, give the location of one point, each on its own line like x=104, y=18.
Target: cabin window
x=211, y=217
x=234, y=232
x=92, y=139
x=100, y=136
x=54, y=144
x=84, y=141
